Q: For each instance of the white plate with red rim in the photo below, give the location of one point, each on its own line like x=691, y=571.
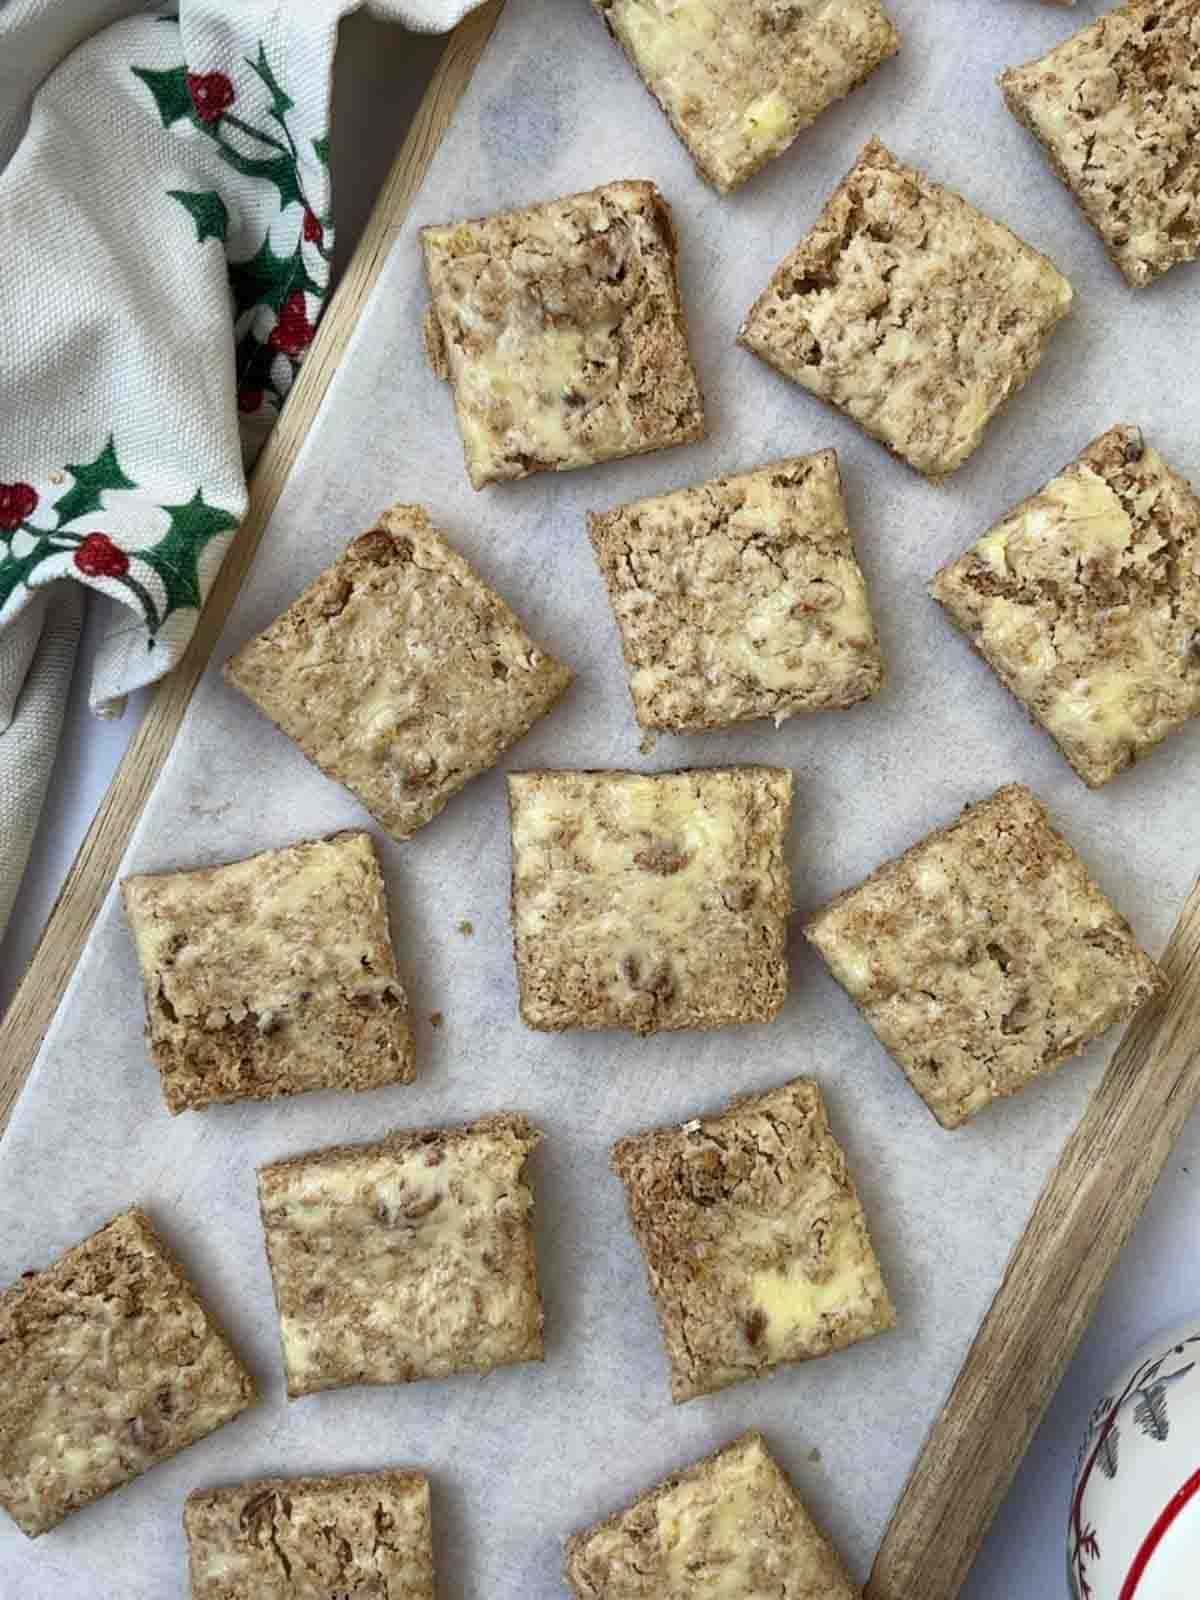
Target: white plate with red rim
x=1134, y=1530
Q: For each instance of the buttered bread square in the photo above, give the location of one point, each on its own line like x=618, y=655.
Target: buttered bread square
x=1117, y=110
x=400, y=672
x=271, y=976
x=739, y=79
x=754, y=1239
x=650, y=902
x=109, y=1363
x=740, y=598
x=985, y=956
x=731, y=1527
x=1086, y=601
x=412, y=1258
x=362, y=1534
x=910, y=310
x=560, y=329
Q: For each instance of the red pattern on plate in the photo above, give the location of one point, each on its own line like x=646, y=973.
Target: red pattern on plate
x=1157, y=1534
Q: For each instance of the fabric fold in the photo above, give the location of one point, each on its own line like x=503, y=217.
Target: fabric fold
x=29, y=742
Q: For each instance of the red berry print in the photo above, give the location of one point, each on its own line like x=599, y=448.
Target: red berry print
x=99, y=557
x=249, y=400
x=212, y=94
x=314, y=232
x=17, y=501
x=293, y=333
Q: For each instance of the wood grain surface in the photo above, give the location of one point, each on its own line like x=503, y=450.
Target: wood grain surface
x=1051, y=1288
x=62, y=941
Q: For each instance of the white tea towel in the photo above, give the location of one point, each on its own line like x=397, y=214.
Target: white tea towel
x=165, y=240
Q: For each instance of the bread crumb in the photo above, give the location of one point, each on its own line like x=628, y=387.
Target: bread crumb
x=435, y=1019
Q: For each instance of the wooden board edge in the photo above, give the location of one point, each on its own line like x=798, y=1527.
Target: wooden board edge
x=1082, y=1221
x=61, y=944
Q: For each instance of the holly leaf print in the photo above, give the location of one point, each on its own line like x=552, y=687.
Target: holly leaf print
x=255, y=360
x=206, y=99
x=281, y=103
x=251, y=134
x=175, y=558
x=92, y=478
x=207, y=210
x=279, y=170
x=170, y=91
x=17, y=570
x=267, y=279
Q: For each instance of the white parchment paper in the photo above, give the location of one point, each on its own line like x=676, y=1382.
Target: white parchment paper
x=524, y=1457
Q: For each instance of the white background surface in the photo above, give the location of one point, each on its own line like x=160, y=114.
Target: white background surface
x=1159, y=1280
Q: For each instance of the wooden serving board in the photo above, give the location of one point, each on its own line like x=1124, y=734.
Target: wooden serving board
x=1091, y=1201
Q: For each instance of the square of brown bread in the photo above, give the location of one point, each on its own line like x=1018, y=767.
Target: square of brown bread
x=740, y=598
x=732, y=1525
x=1117, y=110
x=399, y=672
x=754, y=1239
x=109, y=1364
x=365, y=1533
x=985, y=956
x=650, y=901
x=271, y=976
x=739, y=79
x=909, y=310
x=412, y=1258
x=561, y=331
x=1085, y=600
